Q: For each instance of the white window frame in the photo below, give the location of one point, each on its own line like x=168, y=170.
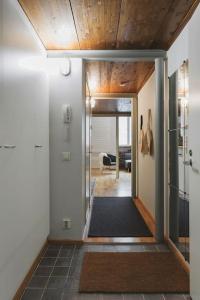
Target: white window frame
x=128, y=138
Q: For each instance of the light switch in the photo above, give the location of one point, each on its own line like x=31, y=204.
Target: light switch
x=66, y=156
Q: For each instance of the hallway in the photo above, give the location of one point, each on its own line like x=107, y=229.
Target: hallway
x=87, y=86
x=57, y=276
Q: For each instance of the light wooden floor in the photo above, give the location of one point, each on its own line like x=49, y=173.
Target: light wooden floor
x=107, y=185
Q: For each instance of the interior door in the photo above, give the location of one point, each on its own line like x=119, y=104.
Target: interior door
x=194, y=146
x=179, y=160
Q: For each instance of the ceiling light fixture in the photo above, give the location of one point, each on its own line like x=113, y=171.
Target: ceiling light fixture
x=124, y=83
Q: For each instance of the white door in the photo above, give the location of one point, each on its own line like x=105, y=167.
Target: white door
x=194, y=145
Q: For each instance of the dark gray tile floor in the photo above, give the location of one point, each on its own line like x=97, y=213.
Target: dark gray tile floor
x=57, y=275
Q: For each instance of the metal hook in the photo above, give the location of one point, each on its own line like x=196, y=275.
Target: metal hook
x=9, y=146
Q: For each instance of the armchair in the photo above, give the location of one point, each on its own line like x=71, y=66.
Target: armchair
x=107, y=160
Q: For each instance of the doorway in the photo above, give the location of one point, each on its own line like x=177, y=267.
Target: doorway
x=111, y=148
x=113, y=131
x=139, y=78
x=114, y=149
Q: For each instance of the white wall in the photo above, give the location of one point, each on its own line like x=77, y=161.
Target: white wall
x=24, y=176
x=146, y=163
x=178, y=52
x=194, y=144
x=67, y=178
x=103, y=137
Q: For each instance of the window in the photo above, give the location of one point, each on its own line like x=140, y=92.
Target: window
x=124, y=131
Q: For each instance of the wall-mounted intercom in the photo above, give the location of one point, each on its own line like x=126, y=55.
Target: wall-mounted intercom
x=67, y=114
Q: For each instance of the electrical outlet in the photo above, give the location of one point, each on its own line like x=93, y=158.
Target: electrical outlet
x=67, y=223
x=66, y=156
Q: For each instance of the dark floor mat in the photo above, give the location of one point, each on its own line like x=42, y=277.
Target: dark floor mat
x=116, y=217
x=183, y=218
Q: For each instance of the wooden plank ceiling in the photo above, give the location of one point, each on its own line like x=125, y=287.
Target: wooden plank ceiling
x=117, y=77
x=110, y=24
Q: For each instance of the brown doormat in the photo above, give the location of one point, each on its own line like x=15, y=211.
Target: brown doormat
x=134, y=272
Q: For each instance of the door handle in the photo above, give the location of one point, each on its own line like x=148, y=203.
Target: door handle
x=188, y=162
x=38, y=146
